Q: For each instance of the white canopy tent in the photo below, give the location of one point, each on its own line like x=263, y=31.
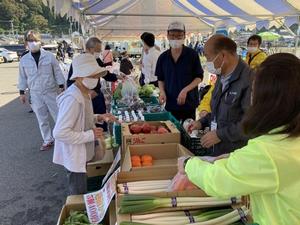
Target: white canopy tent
x=112, y=18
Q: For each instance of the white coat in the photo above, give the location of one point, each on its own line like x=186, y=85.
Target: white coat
x=43, y=81
x=149, y=64
x=69, y=134
x=44, y=78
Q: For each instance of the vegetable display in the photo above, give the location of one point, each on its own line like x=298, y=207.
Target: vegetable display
x=141, y=203
x=143, y=187
x=146, y=90
x=77, y=218
x=146, y=128
x=145, y=160
x=211, y=217
x=110, y=142
x=117, y=93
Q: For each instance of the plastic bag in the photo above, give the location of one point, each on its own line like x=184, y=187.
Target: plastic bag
x=100, y=149
x=129, y=88
x=181, y=183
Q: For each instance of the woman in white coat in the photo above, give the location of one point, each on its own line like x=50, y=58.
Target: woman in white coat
x=75, y=132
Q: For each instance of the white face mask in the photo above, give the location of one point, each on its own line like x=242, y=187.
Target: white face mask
x=34, y=46
x=252, y=49
x=210, y=66
x=176, y=43
x=90, y=83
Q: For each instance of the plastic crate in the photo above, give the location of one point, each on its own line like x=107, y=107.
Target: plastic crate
x=159, y=116
x=193, y=144
x=117, y=133
x=150, y=100
x=147, y=100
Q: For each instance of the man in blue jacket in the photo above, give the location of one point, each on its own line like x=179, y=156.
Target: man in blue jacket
x=230, y=98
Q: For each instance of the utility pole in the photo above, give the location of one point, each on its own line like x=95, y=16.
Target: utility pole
x=12, y=27
x=11, y=24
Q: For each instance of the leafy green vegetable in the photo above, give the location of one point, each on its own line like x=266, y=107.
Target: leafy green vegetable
x=146, y=90
x=77, y=218
x=117, y=93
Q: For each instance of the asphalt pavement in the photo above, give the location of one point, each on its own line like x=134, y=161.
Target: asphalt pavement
x=32, y=188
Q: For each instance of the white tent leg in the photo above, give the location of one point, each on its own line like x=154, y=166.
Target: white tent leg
x=297, y=39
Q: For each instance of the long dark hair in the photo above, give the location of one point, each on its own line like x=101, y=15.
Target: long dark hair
x=276, y=97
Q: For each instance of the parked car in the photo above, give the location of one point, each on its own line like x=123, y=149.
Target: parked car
x=51, y=48
x=1, y=59
x=9, y=56
x=19, y=48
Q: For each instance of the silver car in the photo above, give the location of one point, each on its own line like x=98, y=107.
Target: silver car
x=8, y=56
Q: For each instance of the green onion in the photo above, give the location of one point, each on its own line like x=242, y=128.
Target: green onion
x=132, y=223
x=213, y=217
x=178, y=220
x=139, y=204
x=165, y=214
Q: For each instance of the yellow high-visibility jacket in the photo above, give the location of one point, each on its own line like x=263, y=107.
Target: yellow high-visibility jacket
x=205, y=102
x=255, y=59
x=267, y=169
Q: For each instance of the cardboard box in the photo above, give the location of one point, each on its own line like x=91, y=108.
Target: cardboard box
x=158, y=174
x=155, y=174
x=76, y=203
x=138, y=139
x=166, y=173
x=164, y=155
x=127, y=217
x=73, y=203
x=100, y=168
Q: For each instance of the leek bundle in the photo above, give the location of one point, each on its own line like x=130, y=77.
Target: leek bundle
x=166, y=214
x=144, y=187
x=139, y=203
x=214, y=217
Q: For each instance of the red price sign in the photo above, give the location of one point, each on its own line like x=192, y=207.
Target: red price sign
x=138, y=140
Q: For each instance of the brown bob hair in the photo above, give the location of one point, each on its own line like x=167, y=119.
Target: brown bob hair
x=276, y=97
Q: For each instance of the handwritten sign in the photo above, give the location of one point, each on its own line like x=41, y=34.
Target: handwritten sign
x=137, y=140
x=97, y=203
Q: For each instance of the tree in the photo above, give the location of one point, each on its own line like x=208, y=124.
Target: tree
x=35, y=6
x=11, y=10
x=38, y=22
x=31, y=14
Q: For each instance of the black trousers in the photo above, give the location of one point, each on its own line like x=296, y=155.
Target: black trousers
x=77, y=183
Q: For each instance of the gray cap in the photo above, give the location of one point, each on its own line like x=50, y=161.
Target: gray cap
x=176, y=26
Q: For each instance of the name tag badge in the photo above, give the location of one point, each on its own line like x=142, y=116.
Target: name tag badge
x=213, y=126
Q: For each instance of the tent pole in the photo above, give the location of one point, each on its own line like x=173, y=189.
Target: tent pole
x=142, y=29
x=286, y=27
x=182, y=15
x=297, y=37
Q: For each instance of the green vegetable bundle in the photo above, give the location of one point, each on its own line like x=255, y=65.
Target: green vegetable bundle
x=212, y=217
x=117, y=93
x=77, y=218
x=146, y=90
x=139, y=203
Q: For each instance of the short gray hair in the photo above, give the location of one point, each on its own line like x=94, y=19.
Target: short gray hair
x=92, y=42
